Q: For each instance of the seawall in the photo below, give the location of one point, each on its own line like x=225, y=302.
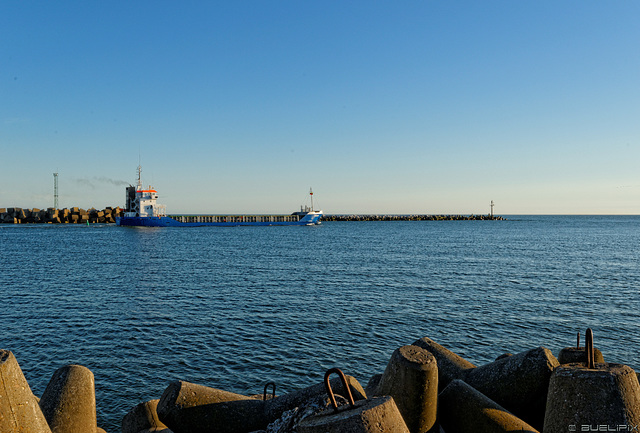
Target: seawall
x=423, y=388
x=376, y=217
x=74, y=215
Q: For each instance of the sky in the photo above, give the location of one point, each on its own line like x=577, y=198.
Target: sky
x=430, y=107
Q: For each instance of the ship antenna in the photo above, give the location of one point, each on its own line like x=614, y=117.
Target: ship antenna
x=139, y=178
x=311, y=194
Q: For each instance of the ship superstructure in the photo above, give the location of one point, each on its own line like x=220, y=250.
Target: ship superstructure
x=142, y=202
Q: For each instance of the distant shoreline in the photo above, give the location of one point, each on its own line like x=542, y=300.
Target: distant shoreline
x=387, y=217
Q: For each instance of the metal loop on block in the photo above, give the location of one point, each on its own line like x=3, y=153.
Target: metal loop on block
x=588, y=347
x=273, y=394
x=327, y=385
x=578, y=343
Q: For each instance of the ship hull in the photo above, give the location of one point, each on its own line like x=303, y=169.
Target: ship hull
x=167, y=221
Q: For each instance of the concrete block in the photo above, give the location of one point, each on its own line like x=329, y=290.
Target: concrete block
x=282, y=403
x=450, y=365
x=504, y=355
x=571, y=355
x=19, y=409
x=518, y=383
x=372, y=386
x=375, y=415
x=411, y=378
x=69, y=401
x=605, y=398
x=190, y=408
x=463, y=409
x=143, y=418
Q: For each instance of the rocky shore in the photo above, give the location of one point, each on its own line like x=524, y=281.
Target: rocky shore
x=424, y=388
x=74, y=215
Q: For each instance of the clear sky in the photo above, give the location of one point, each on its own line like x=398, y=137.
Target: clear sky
x=380, y=106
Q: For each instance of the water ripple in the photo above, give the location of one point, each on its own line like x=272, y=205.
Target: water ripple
x=234, y=309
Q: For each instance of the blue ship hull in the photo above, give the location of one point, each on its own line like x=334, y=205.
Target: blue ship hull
x=166, y=221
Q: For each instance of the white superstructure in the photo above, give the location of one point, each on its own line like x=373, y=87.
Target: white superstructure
x=142, y=202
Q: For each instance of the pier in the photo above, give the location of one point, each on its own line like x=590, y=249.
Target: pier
x=108, y=215
x=417, y=217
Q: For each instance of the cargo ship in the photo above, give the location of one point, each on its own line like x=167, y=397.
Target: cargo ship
x=142, y=210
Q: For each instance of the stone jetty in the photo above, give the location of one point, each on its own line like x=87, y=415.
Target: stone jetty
x=74, y=215
x=530, y=391
x=376, y=217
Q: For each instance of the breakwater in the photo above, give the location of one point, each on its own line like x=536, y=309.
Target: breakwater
x=423, y=387
x=417, y=217
x=74, y=215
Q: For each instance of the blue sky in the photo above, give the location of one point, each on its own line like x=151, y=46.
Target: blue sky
x=381, y=107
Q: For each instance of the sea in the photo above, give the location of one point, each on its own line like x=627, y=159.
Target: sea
x=236, y=308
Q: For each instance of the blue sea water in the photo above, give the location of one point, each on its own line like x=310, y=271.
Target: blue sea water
x=234, y=308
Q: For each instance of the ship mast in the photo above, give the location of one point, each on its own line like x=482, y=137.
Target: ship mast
x=139, y=178
x=311, y=194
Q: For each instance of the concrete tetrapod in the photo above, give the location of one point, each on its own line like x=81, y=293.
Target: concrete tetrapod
x=603, y=398
x=189, y=408
x=69, y=401
x=19, y=409
x=280, y=404
x=450, y=365
x=143, y=418
x=463, y=409
x=519, y=383
x=571, y=355
x=375, y=415
x=411, y=378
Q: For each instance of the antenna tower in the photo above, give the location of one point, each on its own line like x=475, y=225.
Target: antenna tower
x=55, y=190
x=491, y=208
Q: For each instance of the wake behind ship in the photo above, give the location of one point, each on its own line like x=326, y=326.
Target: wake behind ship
x=141, y=210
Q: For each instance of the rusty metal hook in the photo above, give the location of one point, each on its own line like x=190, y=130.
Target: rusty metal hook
x=327, y=385
x=588, y=347
x=273, y=394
